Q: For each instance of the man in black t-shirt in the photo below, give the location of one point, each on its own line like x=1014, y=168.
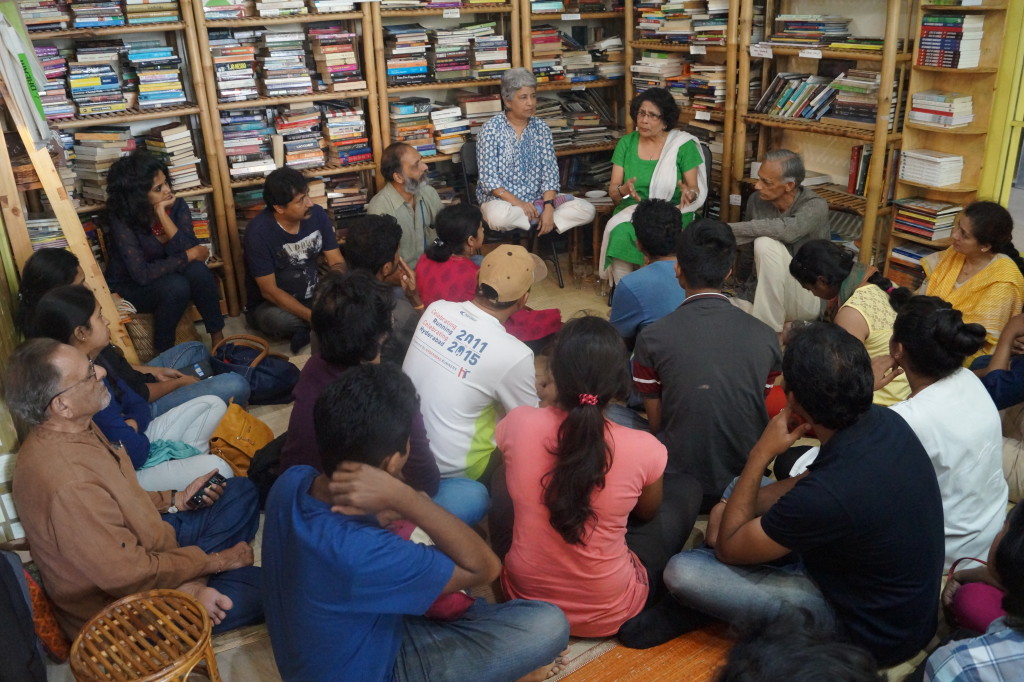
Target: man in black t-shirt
x=864, y=523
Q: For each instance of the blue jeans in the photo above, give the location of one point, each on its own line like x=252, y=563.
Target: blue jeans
x=182, y=357
x=234, y=518
x=168, y=297
x=489, y=642
x=463, y=497
x=698, y=580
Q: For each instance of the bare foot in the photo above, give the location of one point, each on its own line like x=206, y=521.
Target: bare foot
x=217, y=604
x=546, y=671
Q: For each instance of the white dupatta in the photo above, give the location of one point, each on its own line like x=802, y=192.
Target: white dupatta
x=664, y=183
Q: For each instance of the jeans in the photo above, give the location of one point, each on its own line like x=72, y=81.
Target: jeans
x=465, y=498
x=489, y=642
x=192, y=423
x=277, y=323
x=232, y=519
x=183, y=357
x=168, y=297
x=697, y=579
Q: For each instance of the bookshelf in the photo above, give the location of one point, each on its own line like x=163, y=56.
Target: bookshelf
x=968, y=141
x=181, y=34
x=360, y=22
x=807, y=135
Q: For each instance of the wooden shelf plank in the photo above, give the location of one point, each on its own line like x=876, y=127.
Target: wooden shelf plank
x=107, y=30
x=816, y=127
x=446, y=85
x=828, y=53
x=289, y=99
x=126, y=116
x=943, y=69
x=436, y=158
x=273, y=21
x=557, y=16
x=668, y=46
x=964, y=130
x=838, y=198
x=994, y=7
x=487, y=8
x=88, y=206
x=957, y=188
x=567, y=85
x=587, y=149
x=691, y=112
x=319, y=171
x=906, y=236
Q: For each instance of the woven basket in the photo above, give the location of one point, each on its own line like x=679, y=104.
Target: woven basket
x=141, y=330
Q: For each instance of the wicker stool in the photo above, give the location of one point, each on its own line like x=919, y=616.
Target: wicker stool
x=140, y=329
x=155, y=636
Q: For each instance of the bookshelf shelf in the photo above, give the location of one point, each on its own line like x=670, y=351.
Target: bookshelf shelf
x=567, y=85
x=691, y=112
x=291, y=99
x=962, y=8
x=838, y=198
x=488, y=8
x=816, y=127
x=127, y=116
x=88, y=206
x=665, y=46
x=276, y=21
x=959, y=188
x=827, y=53
x=937, y=243
x=318, y=172
x=577, y=16
x=437, y=158
x=107, y=31
x=966, y=130
x=943, y=69
x=587, y=149
x=443, y=85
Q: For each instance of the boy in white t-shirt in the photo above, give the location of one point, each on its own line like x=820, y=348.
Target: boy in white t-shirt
x=468, y=370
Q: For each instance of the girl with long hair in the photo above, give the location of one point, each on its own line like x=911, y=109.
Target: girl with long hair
x=593, y=529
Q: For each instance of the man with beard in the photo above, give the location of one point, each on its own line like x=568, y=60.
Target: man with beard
x=282, y=247
x=409, y=198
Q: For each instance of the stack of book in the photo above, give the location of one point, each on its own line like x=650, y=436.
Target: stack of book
x=655, y=68
x=234, y=62
x=44, y=232
x=96, y=150
x=410, y=123
x=247, y=142
x=943, y=109
x=951, y=40
x=577, y=61
x=608, y=57
x=546, y=44
x=809, y=30
x=96, y=86
x=676, y=24
x=44, y=15
x=96, y=13
x=449, y=59
x=281, y=8
x=489, y=55
x=477, y=108
x=712, y=29
x=856, y=99
x=860, y=160
x=228, y=9
x=317, y=192
x=546, y=6
x=327, y=6
x=450, y=128
x=925, y=218
x=334, y=53
x=930, y=167
x=157, y=71
x=588, y=117
x=905, y=264
x=248, y=204
x=549, y=110
x=172, y=143
x=442, y=4
x=862, y=43
x=297, y=141
x=282, y=58
x=151, y=11
x=706, y=86
x=405, y=54
x=199, y=207
x=398, y=4
x=345, y=134
x=346, y=196
x=56, y=104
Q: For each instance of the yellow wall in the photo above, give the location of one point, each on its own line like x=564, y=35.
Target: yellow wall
x=1007, y=122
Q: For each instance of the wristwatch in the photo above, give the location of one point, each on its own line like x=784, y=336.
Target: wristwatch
x=172, y=509
x=550, y=201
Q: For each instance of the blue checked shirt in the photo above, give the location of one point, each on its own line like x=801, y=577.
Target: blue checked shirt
x=996, y=656
x=526, y=167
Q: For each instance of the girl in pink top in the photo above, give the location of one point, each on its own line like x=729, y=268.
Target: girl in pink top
x=447, y=272
x=590, y=532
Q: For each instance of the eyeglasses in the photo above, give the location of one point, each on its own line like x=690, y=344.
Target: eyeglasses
x=90, y=376
x=643, y=113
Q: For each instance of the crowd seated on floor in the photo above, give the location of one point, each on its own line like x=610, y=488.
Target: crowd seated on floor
x=433, y=448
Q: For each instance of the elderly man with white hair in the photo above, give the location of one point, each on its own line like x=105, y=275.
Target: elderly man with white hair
x=518, y=184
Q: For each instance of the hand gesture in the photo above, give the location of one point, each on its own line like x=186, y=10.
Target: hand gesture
x=164, y=205
x=164, y=373
x=686, y=196
x=198, y=252
x=210, y=495
x=406, y=277
x=629, y=189
x=547, y=220
x=529, y=209
x=358, y=488
x=777, y=436
x=885, y=369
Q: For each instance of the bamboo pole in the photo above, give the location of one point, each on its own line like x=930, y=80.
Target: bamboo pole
x=380, y=72
x=731, y=97
x=374, y=110
x=730, y=212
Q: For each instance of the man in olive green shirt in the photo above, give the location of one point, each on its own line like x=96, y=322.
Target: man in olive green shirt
x=409, y=198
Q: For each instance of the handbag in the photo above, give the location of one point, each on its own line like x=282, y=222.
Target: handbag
x=271, y=377
x=237, y=438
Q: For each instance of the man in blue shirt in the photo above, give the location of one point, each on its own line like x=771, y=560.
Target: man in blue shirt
x=653, y=291
x=345, y=597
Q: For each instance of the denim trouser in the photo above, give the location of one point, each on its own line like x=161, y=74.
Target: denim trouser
x=232, y=519
x=489, y=642
x=697, y=579
x=182, y=357
x=463, y=497
x=275, y=322
x=168, y=297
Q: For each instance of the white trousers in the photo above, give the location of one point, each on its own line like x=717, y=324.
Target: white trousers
x=192, y=422
x=502, y=216
x=779, y=297
x=618, y=268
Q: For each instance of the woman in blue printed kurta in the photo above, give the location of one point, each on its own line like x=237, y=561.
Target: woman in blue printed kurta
x=518, y=184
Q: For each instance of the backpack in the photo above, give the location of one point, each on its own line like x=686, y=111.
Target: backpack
x=271, y=377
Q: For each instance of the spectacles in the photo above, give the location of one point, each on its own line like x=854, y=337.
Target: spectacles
x=643, y=113
x=90, y=376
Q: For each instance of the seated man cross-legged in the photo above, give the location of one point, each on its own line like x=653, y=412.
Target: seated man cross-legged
x=346, y=598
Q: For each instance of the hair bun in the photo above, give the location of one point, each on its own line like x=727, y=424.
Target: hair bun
x=951, y=331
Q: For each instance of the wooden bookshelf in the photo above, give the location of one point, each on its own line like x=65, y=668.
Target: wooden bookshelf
x=585, y=149
x=250, y=22
x=667, y=46
x=465, y=9
x=261, y=102
x=816, y=127
x=130, y=115
x=557, y=86
x=107, y=31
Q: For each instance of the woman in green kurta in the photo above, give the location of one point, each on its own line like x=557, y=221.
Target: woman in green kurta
x=681, y=178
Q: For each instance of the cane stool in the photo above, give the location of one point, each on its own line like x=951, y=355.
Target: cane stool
x=154, y=636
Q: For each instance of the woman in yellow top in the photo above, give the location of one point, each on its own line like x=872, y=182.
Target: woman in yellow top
x=858, y=301
x=980, y=274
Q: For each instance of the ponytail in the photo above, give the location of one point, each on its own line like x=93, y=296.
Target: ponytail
x=454, y=226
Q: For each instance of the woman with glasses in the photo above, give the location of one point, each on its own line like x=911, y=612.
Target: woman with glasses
x=980, y=274
x=169, y=451
x=655, y=161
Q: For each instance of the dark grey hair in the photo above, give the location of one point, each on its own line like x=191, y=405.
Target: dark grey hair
x=32, y=380
x=513, y=80
x=792, y=165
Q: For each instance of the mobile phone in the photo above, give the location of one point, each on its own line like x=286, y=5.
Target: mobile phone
x=196, y=500
x=202, y=370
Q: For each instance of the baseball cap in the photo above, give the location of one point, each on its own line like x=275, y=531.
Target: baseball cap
x=511, y=270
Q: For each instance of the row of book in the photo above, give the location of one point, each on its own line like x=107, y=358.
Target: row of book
x=430, y=127
x=577, y=119
x=860, y=161
x=240, y=9
x=951, y=40
x=414, y=54
x=925, y=218
x=435, y=4
x=690, y=22
x=931, y=167
x=574, y=6
x=809, y=30
x=943, y=109
x=560, y=56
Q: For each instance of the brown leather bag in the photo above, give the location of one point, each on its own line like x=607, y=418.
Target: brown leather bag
x=237, y=438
